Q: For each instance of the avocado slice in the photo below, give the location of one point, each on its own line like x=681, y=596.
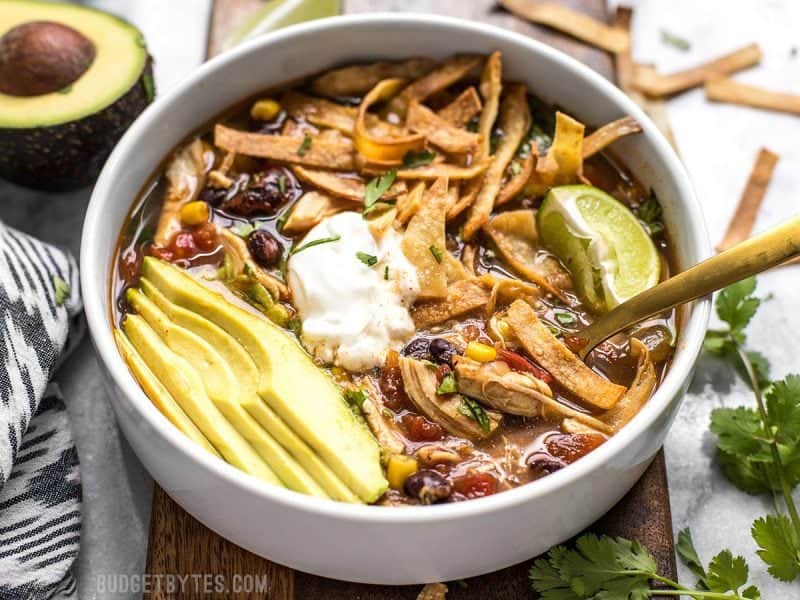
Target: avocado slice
x=246, y=375
x=223, y=388
x=185, y=385
x=289, y=382
x=158, y=394
x=72, y=80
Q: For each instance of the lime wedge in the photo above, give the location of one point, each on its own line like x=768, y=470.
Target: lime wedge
x=610, y=255
x=281, y=13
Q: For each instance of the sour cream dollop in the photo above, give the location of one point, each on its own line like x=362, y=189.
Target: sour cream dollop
x=353, y=313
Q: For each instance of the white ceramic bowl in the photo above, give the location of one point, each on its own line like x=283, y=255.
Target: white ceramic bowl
x=370, y=543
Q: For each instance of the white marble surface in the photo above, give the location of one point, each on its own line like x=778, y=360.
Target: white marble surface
x=718, y=144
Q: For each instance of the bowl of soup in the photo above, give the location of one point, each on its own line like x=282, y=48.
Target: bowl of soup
x=337, y=290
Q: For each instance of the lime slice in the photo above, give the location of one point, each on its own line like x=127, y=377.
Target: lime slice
x=282, y=13
x=610, y=255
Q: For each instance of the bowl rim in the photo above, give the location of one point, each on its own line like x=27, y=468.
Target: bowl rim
x=94, y=286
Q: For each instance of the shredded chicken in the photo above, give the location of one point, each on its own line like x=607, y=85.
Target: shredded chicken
x=236, y=248
x=185, y=177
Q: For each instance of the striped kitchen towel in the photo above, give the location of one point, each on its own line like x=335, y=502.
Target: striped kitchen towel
x=40, y=492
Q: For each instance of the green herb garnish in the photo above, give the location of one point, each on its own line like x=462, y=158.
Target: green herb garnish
x=377, y=207
x=356, y=398
x=470, y=408
x=282, y=219
x=437, y=253
x=566, y=318
x=243, y=230
x=282, y=184
x=62, y=290
x=312, y=243
x=305, y=146
x=227, y=272
x=418, y=159
x=676, y=41
x=368, y=259
x=649, y=215
x=386, y=272
x=515, y=168
x=376, y=188
x=447, y=385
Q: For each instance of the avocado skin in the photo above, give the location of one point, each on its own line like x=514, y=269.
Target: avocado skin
x=69, y=156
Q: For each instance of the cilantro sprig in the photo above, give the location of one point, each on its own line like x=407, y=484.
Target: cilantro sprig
x=376, y=188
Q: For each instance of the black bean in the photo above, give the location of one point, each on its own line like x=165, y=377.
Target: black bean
x=543, y=463
x=265, y=193
x=428, y=486
x=418, y=348
x=442, y=351
x=213, y=196
x=266, y=250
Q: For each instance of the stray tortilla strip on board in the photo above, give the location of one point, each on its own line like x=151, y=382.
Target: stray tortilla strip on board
x=514, y=121
x=357, y=80
x=449, y=72
x=609, y=133
x=724, y=89
x=746, y=213
x=647, y=80
x=463, y=109
x=285, y=149
x=343, y=187
x=324, y=113
x=574, y=23
x=439, y=131
x=566, y=368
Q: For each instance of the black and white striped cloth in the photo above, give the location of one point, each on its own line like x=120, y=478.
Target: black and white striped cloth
x=40, y=491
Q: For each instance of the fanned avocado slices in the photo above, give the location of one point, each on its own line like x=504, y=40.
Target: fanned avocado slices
x=72, y=79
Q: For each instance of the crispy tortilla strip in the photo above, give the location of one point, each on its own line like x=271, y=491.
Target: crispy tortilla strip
x=609, y=133
x=514, y=121
x=648, y=81
x=357, y=80
x=438, y=131
x=638, y=393
x=236, y=248
x=185, y=178
x=328, y=155
x=563, y=162
x=445, y=75
x=324, y=113
x=438, y=170
x=516, y=183
x=571, y=22
x=491, y=87
x=424, y=243
x=465, y=200
x=311, y=209
x=563, y=365
x=723, y=89
x=343, y=187
x=383, y=148
x=462, y=297
x=462, y=110
x=506, y=291
x=408, y=204
x=468, y=256
x=744, y=217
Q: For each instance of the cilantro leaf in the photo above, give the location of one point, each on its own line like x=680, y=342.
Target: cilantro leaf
x=778, y=546
x=470, y=408
x=356, y=398
x=686, y=550
x=305, y=146
x=377, y=187
x=736, y=305
x=447, y=385
x=649, y=214
x=62, y=290
x=418, y=159
x=726, y=573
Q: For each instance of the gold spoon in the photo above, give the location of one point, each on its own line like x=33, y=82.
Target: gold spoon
x=760, y=253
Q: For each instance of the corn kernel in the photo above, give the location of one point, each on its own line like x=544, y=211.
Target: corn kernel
x=505, y=329
x=481, y=352
x=265, y=110
x=194, y=213
x=400, y=468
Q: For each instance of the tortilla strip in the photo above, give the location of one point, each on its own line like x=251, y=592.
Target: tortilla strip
x=638, y=393
x=571, y=22
x=744, y=217
x=723, y=89
x=324, y=113
x=647, y=80
x=563, y=162
x=343, y=187
x=560, y=362
x=437, y=170
x=491, y=87
x=438, y=131
x=462, y=110
x=449, y=72
x=471, y=190
x=514, y=234
x=357, y=80
x=516, y=184
x=281, y=148
x=408, y=204
x=424, y=242
x=185, y=178
x=311, y=209
x=508, y=290
x=462, y=297
x=609, y=133
x=514, y=121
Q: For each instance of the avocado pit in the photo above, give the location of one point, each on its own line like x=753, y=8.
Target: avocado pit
x=41, y=57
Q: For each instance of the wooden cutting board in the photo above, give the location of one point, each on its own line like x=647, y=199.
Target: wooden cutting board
x=179, y=544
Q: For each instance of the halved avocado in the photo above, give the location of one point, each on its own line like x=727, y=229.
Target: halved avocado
x=72, y=80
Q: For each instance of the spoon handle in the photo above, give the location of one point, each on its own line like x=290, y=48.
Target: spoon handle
x=762, y=252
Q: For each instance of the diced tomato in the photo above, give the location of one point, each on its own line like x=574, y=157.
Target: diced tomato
x=183, y=245
x=205, y=237
x=129, y=265
x=441, y=372
x=419, y=429
x=569, y=447
x=391, y=382
x=161, y=253
x=475, y=484
x=517, y=362
x=575, y=343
